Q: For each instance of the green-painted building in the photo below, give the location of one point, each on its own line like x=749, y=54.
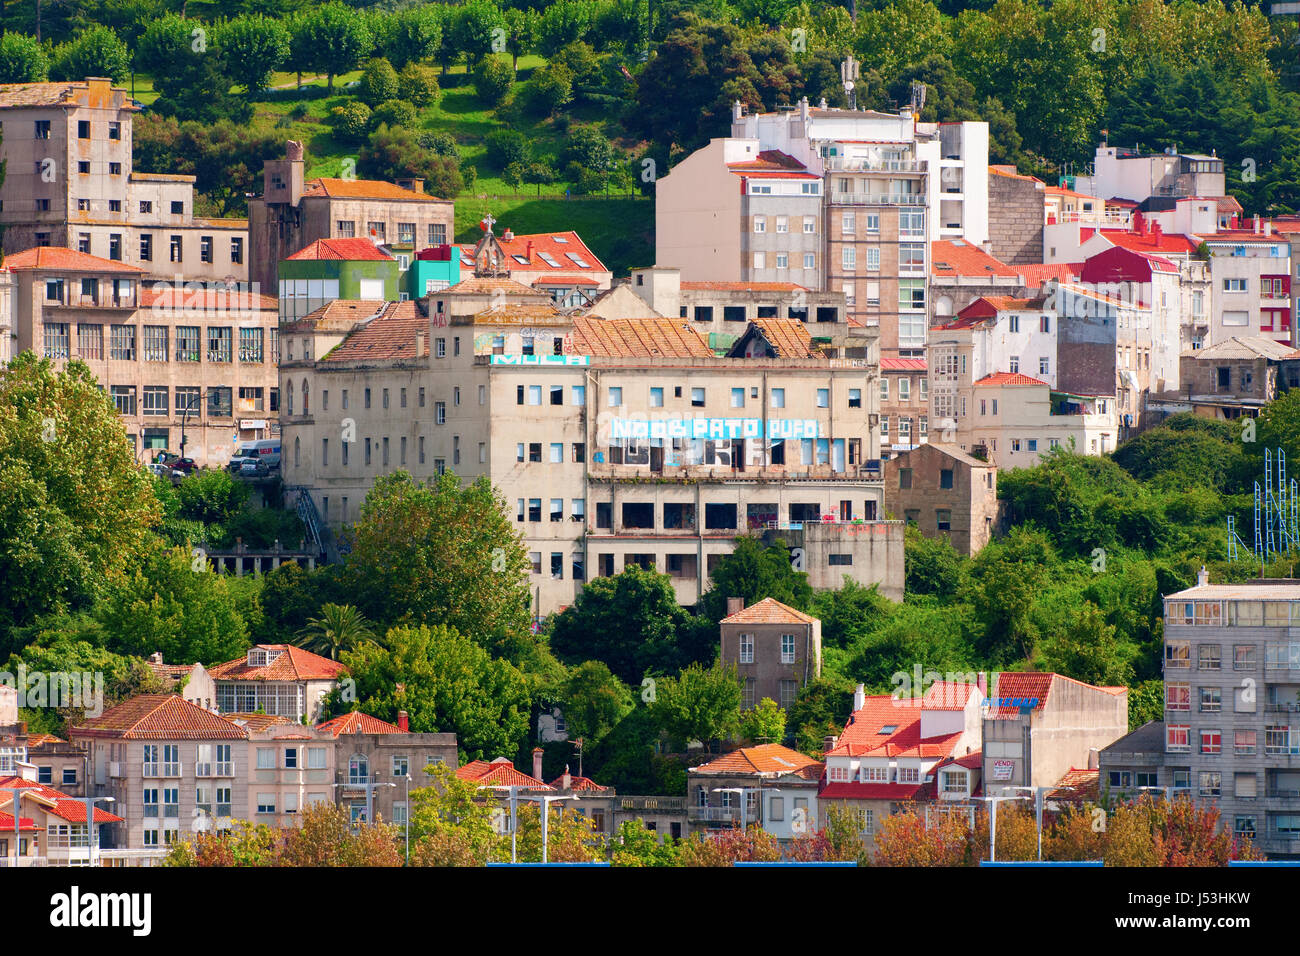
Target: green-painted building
x=432, y=269
x=330, y=269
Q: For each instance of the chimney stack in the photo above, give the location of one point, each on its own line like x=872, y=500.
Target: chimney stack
x=1202, y=577
x=1257, y=226
x=419, y=344
x=403, y=722
x=735, y=605
x=859, y=697
x=1094, y=758
x=828, y=743
x=566, y=782
x=537, y=762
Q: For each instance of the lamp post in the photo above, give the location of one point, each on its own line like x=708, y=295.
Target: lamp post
x=545, y=801
x=1039, y=793
x=189, y=406
x=17, y=814
x=406, y=807
x=92, y=843
x=514, y=791
x=993, y=820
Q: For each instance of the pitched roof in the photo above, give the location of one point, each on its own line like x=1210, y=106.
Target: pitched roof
x=24, y=823
x=486, y=285
x=42, y=740
x=363, y=189
x=891, y=727
x=1077, y=785
x=1009, y=172
x=638, y=338
x=62, y=93
x=1008, y=378
x=56, y=803
x=207, y=300
x=948, y=695
x=1246, y=346
x=255, y=722
x=358, y=723
x=352, y=250
x=563, y=280
x=499, y=773
x=387, y=337
x=1031, y=687
x=291, y=664
x=951, y=451
x=57, y=258
x=564, y=248
x=578, y=783
x=769, y=159
x=1035, y=276
x=768, y=611
x=341, y=315
x=785, y=338
x=1166, y=243
x=764, y=759
x=956, y=257
x=869, y=791
x=160, y=717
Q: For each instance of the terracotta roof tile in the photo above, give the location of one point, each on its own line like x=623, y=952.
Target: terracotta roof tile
x=358, y=723
x=341, y=315
x=638, y=338
x=256, y=722
x=207, y=300
x=956, y=257
x=160, y=717
x=891, y=364
x=1077, y=785
x=578, y=784
x=560, y=246
x=1008, y=378
x=564, y=280
x=386, y=338
x=889, y=727
x=65, y=93
x=1166, y=243
x=352, y=250
x=363, y=189
x=57, y=258
x=788, y=338
x=1034, y=276
x=291, y=664
x=768, y=611
x=56, y=803
x=498, y=773
x=486, y=285
x=25, y=824
x=947, y=695
x=763, y=759
x=869, y=791
x=1032, y=687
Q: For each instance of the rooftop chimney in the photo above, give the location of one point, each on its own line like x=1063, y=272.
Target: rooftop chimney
x=1258, y=230
x=859, y=697
x=419, y=344
x=1202, y=577
x=735, y=605
x=828, y=743
x=156, y=657
x=537, y=762
x=566, y=782
x=403, y=722
x=1094, y=758
x=737, y=111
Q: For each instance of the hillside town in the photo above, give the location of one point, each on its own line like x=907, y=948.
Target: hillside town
x=385, y=510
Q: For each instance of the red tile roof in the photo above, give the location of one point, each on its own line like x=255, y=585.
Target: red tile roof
x=256, y=722
x=959, y=258
x=1077, y=785
x=292, y=664
x=768, y=611
x=638, y=338
x=557, y=245
x=55, y=802
x=341, y=315
x=870, y=791
x=947, y=695
x=765, y=759
x=25, y=824
x=1010, y=173
x=388, y=337
x=1166, y=243
x=1034, y=276
x=363, y=189
x=160, y=717
x=59, y=259
x=40, y=740
x=207, y=300
x=769, y=159
x=578, y=783
x=358, y=723
x=498, y=773
x=1028, y=686
x=352, y=250
x=564, y=280
x=889, y=727
x=786, y=338
x=1008, y=378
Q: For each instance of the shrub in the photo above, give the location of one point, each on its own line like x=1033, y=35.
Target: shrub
x=550, y=89
x=493, y=78
x=395, y=153
x=351, y=121
x=440, y=142
x=506, y=146
x=394, y=113
x=378, y=82
x=418, y=84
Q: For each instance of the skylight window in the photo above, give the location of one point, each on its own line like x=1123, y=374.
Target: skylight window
x=888, y=728
x=549, y=260
x=581, y=262
x=522, y=260
x=561, y=240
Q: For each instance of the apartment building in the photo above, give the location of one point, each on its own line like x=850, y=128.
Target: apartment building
x=1236, y=377
x=904, y=405
x=182, y=364
x=292, y=213
x=767, y=785
x=1232, y=684
x=945, y=493
x=884, y=185
x=776, y=650
x=738, y=211
x=70, y=183
x=887, y=757
x=960, y=273
x=171, y=768
x=1132, y=174
x=1251, y=274
x=615, y=441
x=1037, y=726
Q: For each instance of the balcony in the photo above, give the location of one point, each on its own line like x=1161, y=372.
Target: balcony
x=662, y=804
x=723, y=815
x=848, y=164
x=877, y=199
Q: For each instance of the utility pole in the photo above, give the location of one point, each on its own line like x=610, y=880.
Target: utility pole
x=17, y=814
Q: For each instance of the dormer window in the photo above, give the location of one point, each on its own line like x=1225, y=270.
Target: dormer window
x=256, y=657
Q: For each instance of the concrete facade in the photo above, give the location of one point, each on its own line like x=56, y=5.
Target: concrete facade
x=776, y=650
x=1015, y=216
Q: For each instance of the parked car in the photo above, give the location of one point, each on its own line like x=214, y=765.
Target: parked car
x=160, y=469
x=253, y=467
x=237, y=462
x=183, y=466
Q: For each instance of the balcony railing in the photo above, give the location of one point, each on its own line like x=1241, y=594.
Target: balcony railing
x=850, y=165
x=877, y=199
x=715, y=814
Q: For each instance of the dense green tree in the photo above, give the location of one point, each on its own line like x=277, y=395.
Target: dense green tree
x=446, y=683
x=632, y=623
x=1087, y=649
x=96, y=51
x=593, y=701
x=335, y=38
x=438, y=552
x=378, y=82
x=493, y=77
x=211, y=495
x=698, y=704
x=413, y=35
x=754, y=572
x=22, y=59
x=418, y=85
x=561, y=23
x=253, y=47
x=74, y=505
x=932, y=565
x=548, y=90
x=521, y=34
x=225, y=157
x=340, y=627
x=764, y=723
x=396, y=153
x=474, y=27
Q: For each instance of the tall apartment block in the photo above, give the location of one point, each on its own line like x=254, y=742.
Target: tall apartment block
x=888, y=186
x=69, y=183
x=1232, y=705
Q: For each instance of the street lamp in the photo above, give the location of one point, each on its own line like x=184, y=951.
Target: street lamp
x=406, y=812
x=514, y=790
x=1039, y=793
x=189, y=406
x=545, y=800
x=92, y=843
x=993, y=820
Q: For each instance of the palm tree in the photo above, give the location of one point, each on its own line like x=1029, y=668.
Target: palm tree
x=340, y=627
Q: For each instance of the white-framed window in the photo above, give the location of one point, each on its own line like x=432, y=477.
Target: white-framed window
x=787, y=648
x=810, y=260
x=848, y=225
x=782, y=260
x=760, y=260
x=873, y=259
x=849, y=258
x=782, y=223
x=760, y=224
x=809, y=225
x=747, y=648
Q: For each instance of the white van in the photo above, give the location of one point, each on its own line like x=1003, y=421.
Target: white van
x=264, y=449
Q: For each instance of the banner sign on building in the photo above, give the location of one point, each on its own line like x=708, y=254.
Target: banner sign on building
x=1002, y=769
x=541, y=360
x=714, y=428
